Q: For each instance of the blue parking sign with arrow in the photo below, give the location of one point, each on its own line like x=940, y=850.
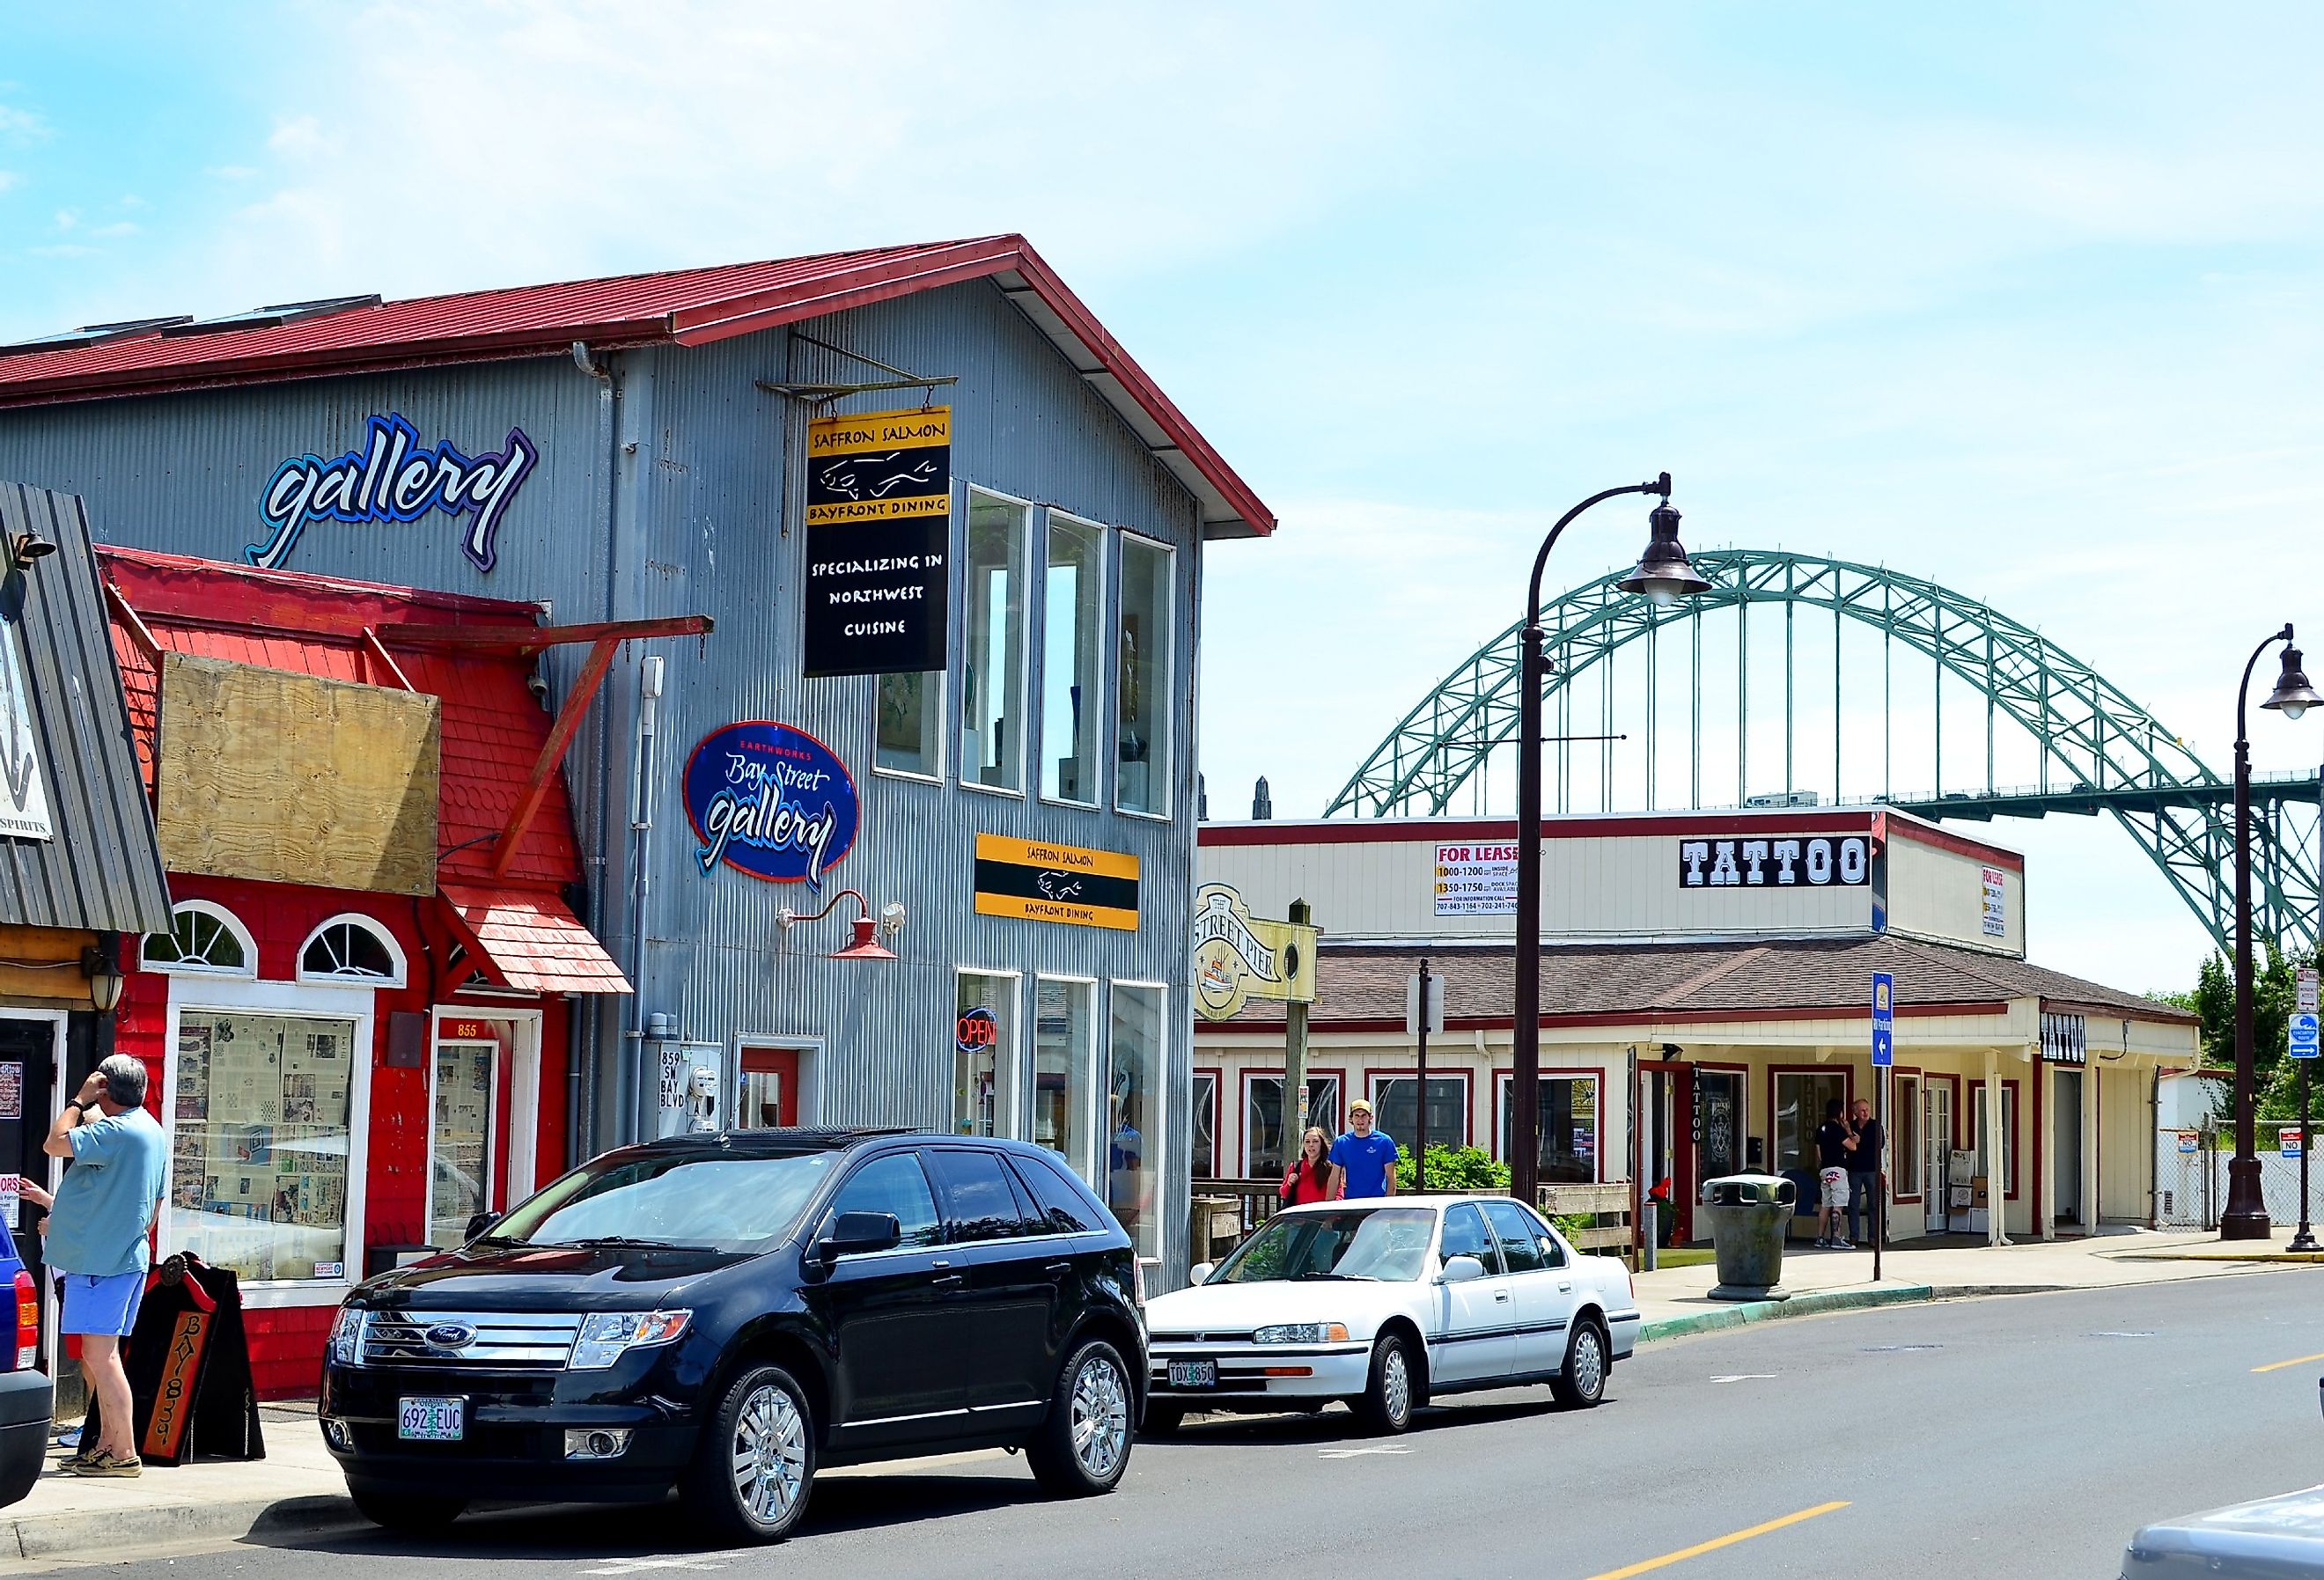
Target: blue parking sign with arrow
x=1884, y=1020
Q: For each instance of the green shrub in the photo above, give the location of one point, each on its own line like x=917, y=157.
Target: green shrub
x=1456, y=1169
x=1571, y=1225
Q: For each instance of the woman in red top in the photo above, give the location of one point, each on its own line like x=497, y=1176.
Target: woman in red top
x=1311, y=1177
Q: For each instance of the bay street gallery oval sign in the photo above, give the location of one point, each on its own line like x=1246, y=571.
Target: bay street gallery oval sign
x=772, y=802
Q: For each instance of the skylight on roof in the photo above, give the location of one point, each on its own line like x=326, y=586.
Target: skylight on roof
x=282, y=313
x=96, y=334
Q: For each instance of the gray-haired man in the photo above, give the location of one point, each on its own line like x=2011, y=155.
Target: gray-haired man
x=95, y=1238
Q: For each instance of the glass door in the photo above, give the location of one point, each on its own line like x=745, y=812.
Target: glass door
x=1936, y=1148
x=460, y=1150
x=766, y=1089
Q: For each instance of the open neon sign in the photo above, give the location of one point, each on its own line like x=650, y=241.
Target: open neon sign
x=393, y=479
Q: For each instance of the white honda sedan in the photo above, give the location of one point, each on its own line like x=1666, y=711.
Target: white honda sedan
x=1385, y=1304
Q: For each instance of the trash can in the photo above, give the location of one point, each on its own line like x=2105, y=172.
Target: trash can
x=1748, y=1214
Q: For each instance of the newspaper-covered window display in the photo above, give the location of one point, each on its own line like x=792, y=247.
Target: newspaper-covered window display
x=260, y=1143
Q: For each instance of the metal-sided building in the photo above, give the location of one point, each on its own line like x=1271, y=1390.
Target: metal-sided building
x=1017, y=818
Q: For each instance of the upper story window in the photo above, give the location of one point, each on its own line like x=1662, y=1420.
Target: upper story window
x=351, y=950
x=1073, y=674
x=1142, y=685
x=992, y=646
x=202, y=937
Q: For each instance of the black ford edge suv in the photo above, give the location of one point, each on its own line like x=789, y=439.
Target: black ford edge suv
x=724, y=1313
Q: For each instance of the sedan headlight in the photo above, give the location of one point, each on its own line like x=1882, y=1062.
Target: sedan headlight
x=1302, y=1333
x=346, y=1337
x=606, y=1335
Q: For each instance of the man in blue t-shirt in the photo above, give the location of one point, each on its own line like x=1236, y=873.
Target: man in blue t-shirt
x=1365, y=1157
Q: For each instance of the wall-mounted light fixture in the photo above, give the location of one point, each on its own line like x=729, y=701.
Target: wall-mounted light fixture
x=101, y=964
x=865, y=945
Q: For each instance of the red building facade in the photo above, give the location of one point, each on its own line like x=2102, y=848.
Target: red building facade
x=348, y=1071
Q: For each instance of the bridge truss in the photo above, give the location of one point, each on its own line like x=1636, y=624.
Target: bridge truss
x=2099, y=753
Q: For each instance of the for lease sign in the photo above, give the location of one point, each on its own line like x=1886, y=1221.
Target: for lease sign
x=1476, y=880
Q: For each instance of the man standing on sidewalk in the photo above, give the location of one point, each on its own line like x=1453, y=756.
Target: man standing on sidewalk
x=1835, y=1155
x=1365, y=1158
x=1863, y=1195
x=95, y=1238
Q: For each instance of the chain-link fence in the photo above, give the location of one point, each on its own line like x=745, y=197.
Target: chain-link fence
x=2190, y=1179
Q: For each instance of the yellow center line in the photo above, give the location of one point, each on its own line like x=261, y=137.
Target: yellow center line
x=1714, y=1545
x=2279, y=1365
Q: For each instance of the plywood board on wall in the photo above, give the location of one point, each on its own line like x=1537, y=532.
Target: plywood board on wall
x=293, y=779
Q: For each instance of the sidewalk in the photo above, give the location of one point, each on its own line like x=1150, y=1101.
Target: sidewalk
x=1677, y=1301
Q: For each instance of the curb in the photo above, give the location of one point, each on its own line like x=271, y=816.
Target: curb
x=2308, y=1257
x=94, y=1532
x=1811, y=1303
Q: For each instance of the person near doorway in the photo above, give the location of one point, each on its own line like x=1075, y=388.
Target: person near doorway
x=1311, y=1177
x=1835, y=1152
x=96, y=1238
x=1863, y=1196
x=1363, y=1158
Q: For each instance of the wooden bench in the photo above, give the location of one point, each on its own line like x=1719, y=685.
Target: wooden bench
x=1598, y=1203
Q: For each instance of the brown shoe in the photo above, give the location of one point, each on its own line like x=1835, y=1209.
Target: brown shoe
x=103, y=1464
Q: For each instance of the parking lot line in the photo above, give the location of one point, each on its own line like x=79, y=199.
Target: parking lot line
x=1715, y=1543
x=2279, y=1365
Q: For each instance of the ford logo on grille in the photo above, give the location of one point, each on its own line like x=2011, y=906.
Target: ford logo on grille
x=451, y=1336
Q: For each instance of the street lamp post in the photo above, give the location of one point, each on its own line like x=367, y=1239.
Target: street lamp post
x=2305, y=1239
x=1662, y=574
x=2245, y=1217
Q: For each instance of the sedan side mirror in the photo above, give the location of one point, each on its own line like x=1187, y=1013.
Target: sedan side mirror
x=859, y=1234
x=1200, y=1274
x=1460, y=1270
x=479, y=1223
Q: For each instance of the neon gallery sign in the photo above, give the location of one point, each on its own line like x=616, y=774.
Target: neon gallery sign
x=1792, y=861
x=393, y=479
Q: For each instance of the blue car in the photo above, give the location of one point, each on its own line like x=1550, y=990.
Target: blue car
x=26, y=1395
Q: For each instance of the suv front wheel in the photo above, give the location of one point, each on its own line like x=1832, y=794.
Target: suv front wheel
x=1083, y=1447
x=751, y=1475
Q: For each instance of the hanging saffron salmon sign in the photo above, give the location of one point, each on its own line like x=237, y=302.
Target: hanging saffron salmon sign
x=393, y=479
x=772, y=802
x=879, y=524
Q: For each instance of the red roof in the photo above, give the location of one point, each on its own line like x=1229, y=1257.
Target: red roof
x=684, y=307
x=492, y=727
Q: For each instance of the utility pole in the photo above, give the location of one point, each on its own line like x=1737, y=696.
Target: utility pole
x=1420, y=1108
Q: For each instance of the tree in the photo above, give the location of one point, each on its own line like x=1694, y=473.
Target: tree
x=2275, y=993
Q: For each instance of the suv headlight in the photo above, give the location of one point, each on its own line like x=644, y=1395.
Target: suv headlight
x=1302, y=1333
x=346, y=1337
x=606, y=1335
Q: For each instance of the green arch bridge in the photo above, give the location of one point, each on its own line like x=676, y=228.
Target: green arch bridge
x=2098, y=751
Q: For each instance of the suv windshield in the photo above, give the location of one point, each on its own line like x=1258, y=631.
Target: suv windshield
x=712, y=1203
x=1386, y=1244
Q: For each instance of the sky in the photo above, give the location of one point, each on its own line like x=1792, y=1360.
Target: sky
x=2023, y=301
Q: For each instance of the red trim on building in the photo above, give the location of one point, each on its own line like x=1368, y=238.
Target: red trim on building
x=1669, y=1017
x=1920, y=833
x=1430, y=831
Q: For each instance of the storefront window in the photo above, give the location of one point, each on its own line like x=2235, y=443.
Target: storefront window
x=1801, y=1096
x=1133, y=1087
x=262, y=1126
x=909, y=708
x=1448, y=1110
x=992, y=658
x=2006, y=1182
x=1204, y=1097
x=1569, y=1128
x=1142, y=688
x=1064, y=1046
x=459, y=1183
x=1071, y=679
x=984, y=1053
x=1263, y=1120
x=1904, y=1136
x=202, y=937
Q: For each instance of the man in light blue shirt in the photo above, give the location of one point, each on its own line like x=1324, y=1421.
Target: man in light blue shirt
x=97, y=1237
x=1365, y=1157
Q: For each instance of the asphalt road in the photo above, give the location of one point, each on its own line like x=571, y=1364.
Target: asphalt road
x=2027, y=1435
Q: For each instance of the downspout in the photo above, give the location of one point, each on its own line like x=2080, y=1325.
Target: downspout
x=642, y=798
x=588, y=1033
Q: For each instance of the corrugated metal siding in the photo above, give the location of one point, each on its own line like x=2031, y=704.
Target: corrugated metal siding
x=103, y=870
x=665, y=490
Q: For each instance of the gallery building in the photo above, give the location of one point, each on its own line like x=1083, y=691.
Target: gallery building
x=904, y=836
x=1707, y=988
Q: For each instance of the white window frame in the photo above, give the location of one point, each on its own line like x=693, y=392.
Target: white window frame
x=336, y=1002
x=1288, y=1117
x=942, y=701
x=1907, y=1103
x=1101, y=759
x=1014, y=1121
x=371, y=924
x=1214, y=1109
x=1026, y=760
x=1505, y=1097
x=226, y=919
x=1122, y=539
x=1085, y=1167
x=1372, y=1080
x=808, y=1045
x=1160, y=1128
x=521, y=1068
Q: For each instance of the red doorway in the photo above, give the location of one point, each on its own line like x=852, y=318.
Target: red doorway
x=766, y=1089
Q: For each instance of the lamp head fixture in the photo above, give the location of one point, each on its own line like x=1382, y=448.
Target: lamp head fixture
x=101, y=964
x=29, y=546
x=866, y=944
x=2292, y=696
x=1664, y=573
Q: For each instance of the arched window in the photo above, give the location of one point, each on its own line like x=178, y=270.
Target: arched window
x=351, y=950
x=203, y=937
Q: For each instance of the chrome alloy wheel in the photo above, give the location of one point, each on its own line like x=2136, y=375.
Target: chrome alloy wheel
x=769, y=1454
x=1589, y=1364
x=1395, y=1384
x=1100, y=1418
